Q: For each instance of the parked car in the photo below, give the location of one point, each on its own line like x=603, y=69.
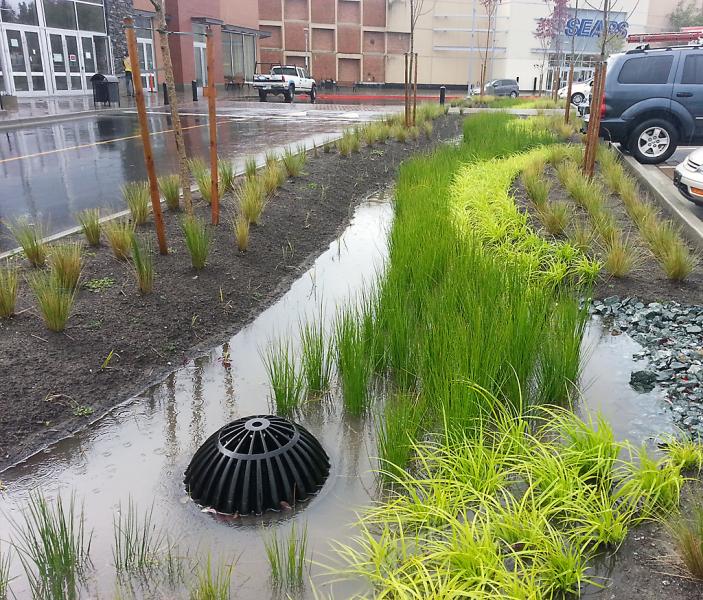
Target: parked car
x=499, y=87
x=579, y=91
x=688, y=177
x=653, y=101
x=286, y=80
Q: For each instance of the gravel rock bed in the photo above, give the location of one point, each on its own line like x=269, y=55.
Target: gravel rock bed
x=671, y=336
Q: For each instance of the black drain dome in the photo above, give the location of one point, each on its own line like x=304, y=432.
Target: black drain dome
x=256, y=464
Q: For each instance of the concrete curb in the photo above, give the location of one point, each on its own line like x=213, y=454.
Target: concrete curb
x=29, y=121
x=667, y=196
x=308, y=143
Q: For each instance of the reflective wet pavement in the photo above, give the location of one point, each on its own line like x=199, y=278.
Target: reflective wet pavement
x=50, y=171
x=141, y=450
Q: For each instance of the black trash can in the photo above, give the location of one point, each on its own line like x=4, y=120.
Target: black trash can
x=106, y=89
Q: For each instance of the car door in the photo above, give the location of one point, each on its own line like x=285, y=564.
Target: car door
x=688, y=87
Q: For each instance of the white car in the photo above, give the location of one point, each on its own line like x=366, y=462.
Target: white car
x=579, y=91
x=288, y=80
x=688, y=177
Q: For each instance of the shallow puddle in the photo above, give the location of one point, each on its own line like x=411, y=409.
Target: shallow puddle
x=141, y=449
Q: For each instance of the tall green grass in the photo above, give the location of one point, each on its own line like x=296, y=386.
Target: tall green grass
x=197, y=240
x=54, y=301
x=9, y=284
x=137, y=541
x=288, y=558
x=315, y=356
x=225, y=174
x=285, y=378
x=30, y=238
x=353, y=361
x=398, y=429
x=143, y=260
x=170, y=186
x=119, y=234
x=212, y=583
x=66, y=262
x=89, y=221
x=136, y=195
x=5, y=562
x=53, y=546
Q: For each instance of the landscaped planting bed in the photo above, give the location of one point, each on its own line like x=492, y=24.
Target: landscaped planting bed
x=118, y=340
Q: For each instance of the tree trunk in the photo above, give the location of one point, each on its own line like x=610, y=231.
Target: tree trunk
x=567, y=107
x=184, y=172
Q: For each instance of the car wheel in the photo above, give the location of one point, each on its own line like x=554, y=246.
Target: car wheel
x=513, y=94
x=289, y=96
x=577, y=98
x=313, y=94
x=262, y=96
x=653, y=141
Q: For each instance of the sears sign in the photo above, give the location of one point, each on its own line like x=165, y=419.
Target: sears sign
x=594, y=28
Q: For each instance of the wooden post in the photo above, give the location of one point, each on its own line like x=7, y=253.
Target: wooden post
x=567, y=108
x=407, y=99
x=212, y=120
x=415, y=89
x=144, y=129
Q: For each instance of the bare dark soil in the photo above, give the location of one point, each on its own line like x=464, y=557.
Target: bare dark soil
x=647, y=281
x=54, y=383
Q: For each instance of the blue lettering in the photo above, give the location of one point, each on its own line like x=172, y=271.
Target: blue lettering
x=571, y=27
x=585, y=29
x=597, y=29
x=622, y=30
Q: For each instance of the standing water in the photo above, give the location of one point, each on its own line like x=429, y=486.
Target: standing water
x=140, y=451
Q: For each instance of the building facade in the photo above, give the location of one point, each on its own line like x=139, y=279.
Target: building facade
x=54, y=47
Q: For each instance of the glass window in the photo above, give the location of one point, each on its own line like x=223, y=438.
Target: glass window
x=14, y=42
x=693, y=70
x=38, y=83
x=88, y=54
x=21, y=83
x=60, y=14
x=19, y=11
x=34, y=51
x=249, y=57
x=57, y=54
x=227, y=55
x=238, y=53
x=90, y=17
x=102, y=55
x=74, y=66
x=650, y=69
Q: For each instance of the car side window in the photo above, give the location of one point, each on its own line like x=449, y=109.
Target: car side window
x=646, y=69
x=693, y=70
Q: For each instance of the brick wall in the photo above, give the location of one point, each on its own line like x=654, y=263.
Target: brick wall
x=349, y=70
x=374, y=68
x=348, y=39
x=348, y=11
x=322, y=11
x=270, y=10
x=374, y=13
x=295, y=10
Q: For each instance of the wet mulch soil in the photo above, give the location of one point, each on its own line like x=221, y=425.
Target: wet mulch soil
x=647, y=281
x=49, y=382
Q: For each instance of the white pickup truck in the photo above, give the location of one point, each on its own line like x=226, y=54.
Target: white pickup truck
x=286, y=80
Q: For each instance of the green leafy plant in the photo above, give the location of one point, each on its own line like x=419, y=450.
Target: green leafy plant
x=30, y=238
x=137, y=196
x=119, y=235
x=197, y=240
x=65, y=262
x=98, y=285
x=53, y=546
x=143, y=266
x=284, y=377
x=9, y=284
x=53, y=299
x=288, y=558
x=170, y=186
x=89, y=221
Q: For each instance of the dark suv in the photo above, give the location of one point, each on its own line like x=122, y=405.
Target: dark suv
x=654, y=100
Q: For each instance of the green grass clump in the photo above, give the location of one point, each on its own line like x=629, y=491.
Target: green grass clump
x=137, y=543
x=621, y=257
x=353, y=361
x=293, y=162
x=398, y=429
x=89, y=220
x=399, y=133
x=143, y=260
x=204, y=182
x=684, y=453
x=426, y=128
x=170, y=186
x=555, y=217
x=65, y=262
x=462, y=515
x=53, y=546
x=498, y=135
x=212, y=584
x=349, y=143
x=581, y=237
x=53, y=299
x=225, y=173
x=678, y=262
x=536, y=184
x=197, y=240
x=688, y=540
x=271, y=159
x=316, y=362
x=240, y=226
x=119, y=235
x=288, y=558
x=198, y=168
x=5, y=562
x=251, y=198
x=9, y=284
x=272, y=177
x=30, y=238
x=137, y=196
x=250, y=167
x=327, y=147
x=285, y=379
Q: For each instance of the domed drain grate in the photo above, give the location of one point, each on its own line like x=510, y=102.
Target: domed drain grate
x=256, y=464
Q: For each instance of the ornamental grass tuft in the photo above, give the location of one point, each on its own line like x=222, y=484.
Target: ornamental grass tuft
x=197, y=240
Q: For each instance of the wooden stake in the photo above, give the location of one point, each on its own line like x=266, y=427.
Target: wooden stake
x=146, y=140
x=567, y=108
x=407, y=92
x=212, y=119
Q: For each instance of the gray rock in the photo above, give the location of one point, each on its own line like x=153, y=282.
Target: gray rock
x=643, y=381
x=693, y=329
